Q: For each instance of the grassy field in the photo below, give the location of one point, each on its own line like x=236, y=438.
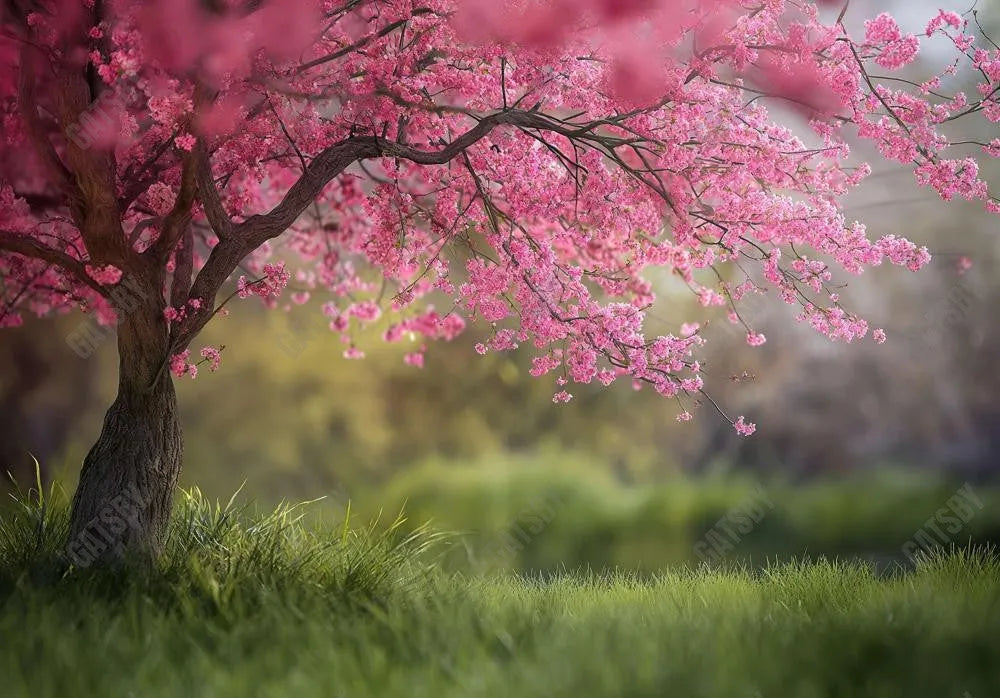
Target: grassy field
x=252, y=604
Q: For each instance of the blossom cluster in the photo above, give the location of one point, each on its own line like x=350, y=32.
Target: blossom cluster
x=615, y=152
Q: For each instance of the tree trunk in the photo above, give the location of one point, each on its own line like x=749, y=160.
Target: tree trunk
x=122, y=504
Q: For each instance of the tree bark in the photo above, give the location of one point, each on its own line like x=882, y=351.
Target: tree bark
x=122, y=503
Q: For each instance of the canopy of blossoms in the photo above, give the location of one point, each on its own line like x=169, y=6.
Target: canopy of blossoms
x=522, y=164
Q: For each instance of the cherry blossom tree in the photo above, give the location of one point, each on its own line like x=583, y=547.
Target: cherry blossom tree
x=528, y=165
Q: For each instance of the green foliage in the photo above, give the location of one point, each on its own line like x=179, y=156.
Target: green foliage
x=33, y=524
x=252, y=603
x=222, y=560
x=597, y=522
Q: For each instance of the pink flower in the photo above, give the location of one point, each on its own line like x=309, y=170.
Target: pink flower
x=882, y=29
x=414, y=359
x=11, y=319
x=561, y=396
x=952, y=19
x=393, y=333
x=180, y=367
x=899, y=53
x=213, y=356
x=755, y=339
x=276, y=278
x=879, y=336
x=108, y=275
x=269, y=286
x=366, y=311
x=243, y=287
x=744, y=428
x=185, y=141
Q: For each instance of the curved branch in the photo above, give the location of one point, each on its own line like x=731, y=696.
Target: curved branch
x=31, y=248
x=246, y=236
x=334, y=160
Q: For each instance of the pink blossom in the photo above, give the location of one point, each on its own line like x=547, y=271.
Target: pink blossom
x=414, y=359
x=185, y=141
x=744, y=428
x=755, y=339
x=213, y=356
x=366, y=311
x=107, y=275
x=897, y=54
x=943, y=18
x=11, y=319
x=882, y=29
x=180, y=367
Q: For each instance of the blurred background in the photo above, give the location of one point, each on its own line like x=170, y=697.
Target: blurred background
x=857, y=445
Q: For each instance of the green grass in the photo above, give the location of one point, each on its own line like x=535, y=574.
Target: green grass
x=247, y=603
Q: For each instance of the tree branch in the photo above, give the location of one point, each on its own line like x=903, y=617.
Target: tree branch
x=93, y=202
x=208, y=195
x=177, y=220
x=334, y=160
x=31, y=248
x=180, y=285
x=246, y=236
x=364, y=41
x=28, y=103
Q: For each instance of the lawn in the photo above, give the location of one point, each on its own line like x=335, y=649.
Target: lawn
x=262, y=604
